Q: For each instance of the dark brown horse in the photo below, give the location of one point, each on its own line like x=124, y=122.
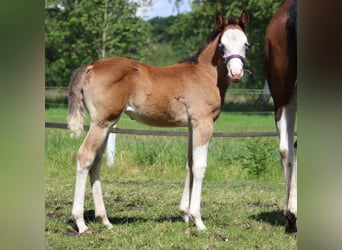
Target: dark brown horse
x=281, y=73
x=190, y=93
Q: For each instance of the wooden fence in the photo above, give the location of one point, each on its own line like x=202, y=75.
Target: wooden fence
x=233, y=96
x=110, y=149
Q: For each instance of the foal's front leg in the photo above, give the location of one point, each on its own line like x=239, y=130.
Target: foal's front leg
x=202, y=132
x=198, y=170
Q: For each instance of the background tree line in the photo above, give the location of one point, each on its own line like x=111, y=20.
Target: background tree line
x=79, y=31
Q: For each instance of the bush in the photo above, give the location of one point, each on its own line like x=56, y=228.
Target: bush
x=257, y=158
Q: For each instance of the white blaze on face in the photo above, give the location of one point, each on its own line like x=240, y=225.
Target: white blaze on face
x=234, y=42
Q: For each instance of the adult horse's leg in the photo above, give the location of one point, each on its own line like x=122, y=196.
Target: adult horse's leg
x=88, y=157
x=291, y=220
x=202, y=132
x=185, y=201
x=285, y=126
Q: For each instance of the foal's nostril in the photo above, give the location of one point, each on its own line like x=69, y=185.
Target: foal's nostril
x=236, y=76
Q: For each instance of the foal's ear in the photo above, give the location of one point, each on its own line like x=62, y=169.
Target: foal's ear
x=220, y=21
x=244, y=18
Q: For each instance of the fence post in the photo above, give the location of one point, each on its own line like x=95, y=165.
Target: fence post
x=110, y=151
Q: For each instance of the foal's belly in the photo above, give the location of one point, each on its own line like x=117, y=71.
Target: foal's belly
x=157, y=117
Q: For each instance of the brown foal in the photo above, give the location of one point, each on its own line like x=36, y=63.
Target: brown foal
x=190, y=93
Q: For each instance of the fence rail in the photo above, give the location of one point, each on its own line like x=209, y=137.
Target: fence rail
x=168, y=133
x=252, y=101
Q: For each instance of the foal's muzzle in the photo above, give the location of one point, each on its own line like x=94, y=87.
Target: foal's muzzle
x=235, y=72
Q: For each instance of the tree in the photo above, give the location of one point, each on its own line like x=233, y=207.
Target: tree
x=80, y=31
x=161, y=51
x=160, y=28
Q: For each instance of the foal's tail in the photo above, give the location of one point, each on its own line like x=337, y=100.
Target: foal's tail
x=75, y=101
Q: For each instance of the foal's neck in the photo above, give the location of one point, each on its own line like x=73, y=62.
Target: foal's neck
x=210, y=61
x=208, y=54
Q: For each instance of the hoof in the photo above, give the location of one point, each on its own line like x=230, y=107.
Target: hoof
x=86, y=231
x=291, y=223
x=104, y=220
x=202, y=228
x=109, y=226
x=199, y=224
x=185, y=216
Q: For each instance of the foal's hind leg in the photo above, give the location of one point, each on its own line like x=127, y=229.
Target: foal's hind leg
x=88, y=156
x=94, y=174
x=185, y=201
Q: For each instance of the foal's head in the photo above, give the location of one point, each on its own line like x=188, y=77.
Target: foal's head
x=233, y=44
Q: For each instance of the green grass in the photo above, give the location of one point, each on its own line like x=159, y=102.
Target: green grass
x=142, y=191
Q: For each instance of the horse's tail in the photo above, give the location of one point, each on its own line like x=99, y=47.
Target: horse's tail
x=75, y=101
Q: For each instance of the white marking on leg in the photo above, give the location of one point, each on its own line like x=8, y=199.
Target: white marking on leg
x=78, y=205
x=283, y=136
x=198, y=170
x=286, y=148
x=284, y=151
x=292, y=206
x=110, y=151
x=100, y=210
x=292, y=202
x=185, y=201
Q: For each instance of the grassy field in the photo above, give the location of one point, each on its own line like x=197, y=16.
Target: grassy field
x=242, y=202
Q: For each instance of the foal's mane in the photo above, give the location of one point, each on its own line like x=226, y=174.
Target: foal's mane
x=194, y=59
x=235, y=21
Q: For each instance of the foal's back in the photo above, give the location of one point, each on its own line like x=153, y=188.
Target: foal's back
x=119, y=69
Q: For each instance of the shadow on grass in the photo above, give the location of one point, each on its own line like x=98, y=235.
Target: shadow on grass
x=274, y=218
x=89, y=216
